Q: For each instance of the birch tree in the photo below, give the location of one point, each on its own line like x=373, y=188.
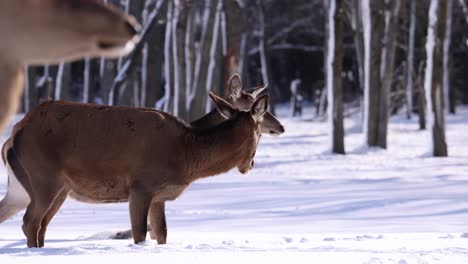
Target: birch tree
x=333, y=71
x=433, y=80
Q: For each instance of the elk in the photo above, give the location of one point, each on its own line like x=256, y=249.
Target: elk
x=103, y=154
x=54, y=31
x=242, y=100
x=239, y=99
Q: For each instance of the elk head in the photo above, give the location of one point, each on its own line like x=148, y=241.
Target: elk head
x=256, y=114
x=244, y=100
x=52, y=31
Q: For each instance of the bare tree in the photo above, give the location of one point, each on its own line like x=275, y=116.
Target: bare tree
x=373, y=22
x=334, y=79
x=433, y=81
x=410, y=60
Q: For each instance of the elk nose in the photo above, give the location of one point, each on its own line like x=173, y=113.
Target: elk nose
x=133, y=28
x=281, y=129
x=252, y=164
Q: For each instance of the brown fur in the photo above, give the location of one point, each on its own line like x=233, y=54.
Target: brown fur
x=107, y=154
x=55, y=31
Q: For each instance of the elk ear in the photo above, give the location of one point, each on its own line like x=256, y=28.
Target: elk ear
x=223, y=107
x=260, y=107
x=258, y=90
x=235, y=86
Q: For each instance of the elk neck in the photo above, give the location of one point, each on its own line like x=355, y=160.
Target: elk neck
x=208, y=120
x=218, y=149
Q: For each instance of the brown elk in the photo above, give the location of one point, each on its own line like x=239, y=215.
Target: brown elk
x=55, y=31
x=102, y=154
x=242, y=100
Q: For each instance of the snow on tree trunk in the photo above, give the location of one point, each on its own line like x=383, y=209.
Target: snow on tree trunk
x=189, y=47
x=213, y=50
x=87, y=82
x=433, y=81
x=175, y=55
x=410, y=61
x=373, y=25
x=168, y=75
x=449, y=104
x=334, y=80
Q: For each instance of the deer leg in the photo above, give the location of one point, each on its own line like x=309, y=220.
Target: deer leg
x=41, y=201
x=157, y=218
x=139, y=203
x=50, y=213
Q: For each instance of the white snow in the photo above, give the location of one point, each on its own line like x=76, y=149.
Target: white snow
x=300, y=204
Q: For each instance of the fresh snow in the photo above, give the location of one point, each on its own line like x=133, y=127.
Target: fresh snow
x=300, y=204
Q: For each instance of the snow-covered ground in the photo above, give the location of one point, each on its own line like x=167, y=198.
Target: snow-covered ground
x=299, y=204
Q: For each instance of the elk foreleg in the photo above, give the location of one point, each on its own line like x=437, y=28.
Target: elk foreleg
x=157, y=218
x=139, y=202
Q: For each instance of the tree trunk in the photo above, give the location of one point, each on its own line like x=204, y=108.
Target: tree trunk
x=168, y=63
x=30, y=93
x=154, y=88
x=264, y=57
x=373, y=22
x=410, y=61
x=356, y=25
x=199, y=94
x=214, y=51
x=334, y=70
x=433, y=81
x=179, y=23
x=392, y=14
x=449, y=102
x=236, y=20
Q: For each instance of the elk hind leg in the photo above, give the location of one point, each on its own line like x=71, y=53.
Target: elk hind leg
x=50, y=214
x=41, y=202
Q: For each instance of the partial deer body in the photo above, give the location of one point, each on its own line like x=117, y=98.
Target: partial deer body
x=55, y=31
x=242, y=100
x=103, y=154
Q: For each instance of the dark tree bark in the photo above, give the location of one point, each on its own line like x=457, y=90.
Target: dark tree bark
x=198, y=89
x=435, y=74
x=154, y=63
x=334, y=70
x=373, y=84
x=388, y=64
x=179, y=23
x=132, y=60
x=30, y=93
x=236, y=27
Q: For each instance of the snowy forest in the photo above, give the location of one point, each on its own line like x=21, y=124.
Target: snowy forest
x=357, y=118
x=385, y=57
